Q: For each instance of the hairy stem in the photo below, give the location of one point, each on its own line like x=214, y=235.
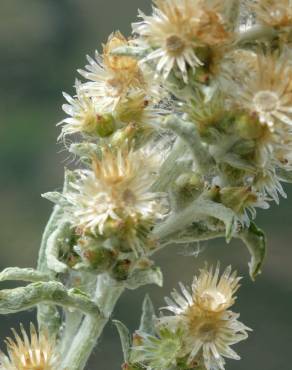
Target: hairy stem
x=48, y=316
x=106, y=296
x=171, y=167
x=188, y=134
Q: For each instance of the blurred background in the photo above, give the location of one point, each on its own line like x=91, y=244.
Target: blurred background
x=42, y=43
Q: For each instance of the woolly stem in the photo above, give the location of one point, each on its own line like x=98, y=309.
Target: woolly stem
x=106, y=296
x=188, y=134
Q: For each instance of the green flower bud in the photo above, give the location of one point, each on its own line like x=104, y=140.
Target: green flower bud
x=124, y=135
x=249, y=127
x=187, y=187
x=191, y=183
x=238, y=198
x=95, y=255
x=121, y=270
x=105, y=125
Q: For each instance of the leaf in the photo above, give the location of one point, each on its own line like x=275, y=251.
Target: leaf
x=23, y=274
x=148, y=313
x=255, y=240
x=144, y=277
x=197, y=211
x=125, y=338
x=55, y=197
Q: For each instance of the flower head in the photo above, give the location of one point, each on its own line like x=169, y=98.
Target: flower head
x=175, y=30
x=275, y=13
x=84, y=116
x=33, y=352
x=112, y=78
x=213, y=294
x=161, y=351
x=118, y=63
x=209, y=328
x=116, y=190
x=267, y=92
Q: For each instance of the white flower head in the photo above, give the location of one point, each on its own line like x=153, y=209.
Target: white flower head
x=170, y=31
x=116, y=188
x=112, y=78
x=82, y=112
x=267, y=92
x=176, y=29
x=209, y=327
x=33, y=352
x=275, y=13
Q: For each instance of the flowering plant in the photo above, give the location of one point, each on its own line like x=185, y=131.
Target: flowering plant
x=181, y=131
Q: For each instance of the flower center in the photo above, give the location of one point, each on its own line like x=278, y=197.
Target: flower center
x=212, y=300
x=175, y=45
x=129, y=197
x=207, y=332
x=115, y=87
x=266, y=101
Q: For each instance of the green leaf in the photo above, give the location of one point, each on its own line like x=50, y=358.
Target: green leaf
x=125, y=338
x=144, y=277
x=24, y=298
x=255, y=240
x=25, y=274
x=148, y=313
x=198, y=210
x=187, y=132
x=55, y=197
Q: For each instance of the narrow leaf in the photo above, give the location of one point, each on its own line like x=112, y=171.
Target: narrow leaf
x=255, y=240
x=125, y=338
x=25, y=274
x=144, y=277
x=148, y=314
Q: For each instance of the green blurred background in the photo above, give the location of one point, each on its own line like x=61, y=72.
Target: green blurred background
x=42, y=43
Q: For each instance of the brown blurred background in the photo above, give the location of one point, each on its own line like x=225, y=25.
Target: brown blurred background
x=42, y=43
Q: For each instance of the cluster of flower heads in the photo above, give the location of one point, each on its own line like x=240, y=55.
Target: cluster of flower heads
x=239, y=98
x=33, y=352
x=116, y=111
x=189, y=57
x=202, y=328
x=230, y=95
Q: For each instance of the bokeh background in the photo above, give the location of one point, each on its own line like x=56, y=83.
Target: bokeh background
x=42, y=43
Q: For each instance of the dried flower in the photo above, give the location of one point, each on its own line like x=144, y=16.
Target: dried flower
x=275, y=13
x=209, y=329
x=84, y=116
x=112, y=78
x=176, y=29
x=33, y=352
x=267, y=93
x=116, y=191
x=213, y=294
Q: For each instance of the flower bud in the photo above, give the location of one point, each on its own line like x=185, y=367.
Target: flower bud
x=238, y=198
x=124, y=135
x=121, y=270
x=95, y=255
x=105, y=125
x=249, y=127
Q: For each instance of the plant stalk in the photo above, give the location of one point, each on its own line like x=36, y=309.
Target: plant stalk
x=106, y=297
